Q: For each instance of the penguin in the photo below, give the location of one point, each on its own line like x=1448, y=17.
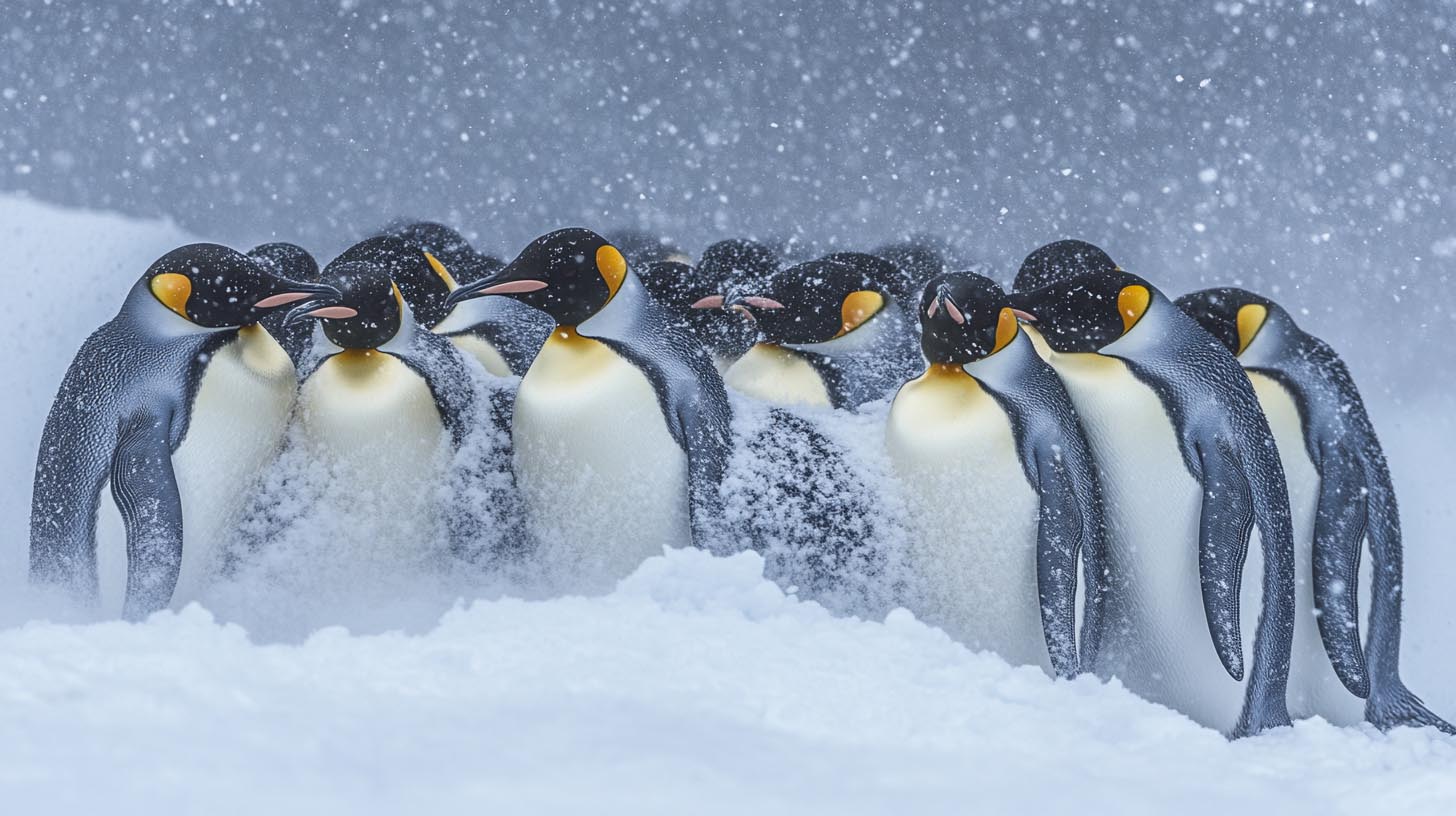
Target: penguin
x=384, y=405
x=1188, y=467
x=1002, y=487
x=176, y=404
x=621, y=427
x=918, y=261
x=1342, y=494
x=292, y=262
x=830, y=334
x=698, y=293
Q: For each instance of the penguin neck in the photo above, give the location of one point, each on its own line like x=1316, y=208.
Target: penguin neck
x=261, y=352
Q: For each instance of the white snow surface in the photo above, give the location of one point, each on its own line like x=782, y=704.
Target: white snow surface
x=695, y=686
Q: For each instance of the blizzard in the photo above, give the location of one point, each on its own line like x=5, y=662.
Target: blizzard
x=694, y=686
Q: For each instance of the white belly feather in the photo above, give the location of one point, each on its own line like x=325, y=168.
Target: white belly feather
x=1157, y=641
x=237, y=424
x=374, y=420
x=774, y=374
x=482, y=350
x=604, y=482
x=1314, y=689
x=973, y=513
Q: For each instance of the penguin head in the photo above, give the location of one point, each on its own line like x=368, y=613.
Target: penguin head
x=818, y=301
x=731, y=269
x=964, y=317
x=1233, y=316
x=1059, y=261
x=641, y=248
x=918, y=262
x=363, y=308
x=429, y=236
x=423, y=279
x=1086, y=313
x=286, y=260
x=215, y=287
x=570, y=274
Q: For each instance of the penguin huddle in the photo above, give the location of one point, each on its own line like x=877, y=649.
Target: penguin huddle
x=1073, y=471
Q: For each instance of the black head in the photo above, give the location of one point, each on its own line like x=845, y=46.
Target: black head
x=918, y=262
x=423, y=280
x=569, y=274
x=1086, y=313
x=1233, y=316
x=734, y=267
x=363, y=309
x=216, y=287
x=1059, y=261
x=429, y=236
x=285, y=260
x=640, y=247
x=816, y=301
x=964, y=317
x=674, y=284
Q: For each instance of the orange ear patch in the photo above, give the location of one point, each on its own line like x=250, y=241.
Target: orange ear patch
x=441, y=271
x=1006, y=328
x=172, y=290
x=857, y=308
x=611, y=266
x=1132, y=302
x=1250, y=319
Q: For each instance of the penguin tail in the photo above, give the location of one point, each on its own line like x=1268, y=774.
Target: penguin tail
x=1395, y=705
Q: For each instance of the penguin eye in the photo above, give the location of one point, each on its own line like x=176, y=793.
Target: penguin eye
x=172, y=290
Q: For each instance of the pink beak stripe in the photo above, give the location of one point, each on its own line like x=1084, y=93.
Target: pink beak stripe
x=1027, y=316
x=934, y=307
x=763, y=303
x=278, y=300
x=955, y=314
x=513, y=287
x=335, y=312
x=709, y=302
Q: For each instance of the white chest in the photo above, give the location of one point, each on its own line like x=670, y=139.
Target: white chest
x=482, y=350
x=604, y=482
x=776, y=375
x=238, y=418
x=1157, y=640
x=974, y=515
x=375, y=422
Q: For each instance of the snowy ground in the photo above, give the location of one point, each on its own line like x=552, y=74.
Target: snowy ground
x=695, y=687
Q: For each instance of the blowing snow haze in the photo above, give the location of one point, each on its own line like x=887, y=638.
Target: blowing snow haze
x=1302, y=149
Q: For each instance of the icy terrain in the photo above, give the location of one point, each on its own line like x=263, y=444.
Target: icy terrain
x=696, y=686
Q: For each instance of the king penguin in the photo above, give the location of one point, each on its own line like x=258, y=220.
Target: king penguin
x=177, y=403
x=383, y=406
x=1001, y=484
x=1188, y=467
x=830, y=334
x=621, y=428
x=1342, y=495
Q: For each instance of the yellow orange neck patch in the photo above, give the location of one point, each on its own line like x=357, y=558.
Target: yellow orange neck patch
x=1132, y=303
x=611, y=266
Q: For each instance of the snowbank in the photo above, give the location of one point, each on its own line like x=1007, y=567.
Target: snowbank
x=696, y=686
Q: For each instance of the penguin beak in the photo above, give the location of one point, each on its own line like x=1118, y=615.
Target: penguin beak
x=327, y=302
x=1027, y=316
x=508, y=281
x=746, y=304
x=292, y=292
x=943, y=302
x=709, y=302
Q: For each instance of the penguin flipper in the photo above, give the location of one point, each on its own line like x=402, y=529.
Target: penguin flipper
x=145, y=491
x=1224, y=527
x=1340, y=524
x=1058, y=541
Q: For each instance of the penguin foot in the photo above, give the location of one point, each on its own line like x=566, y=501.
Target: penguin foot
x=1396, y=705
x=1258, y=718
